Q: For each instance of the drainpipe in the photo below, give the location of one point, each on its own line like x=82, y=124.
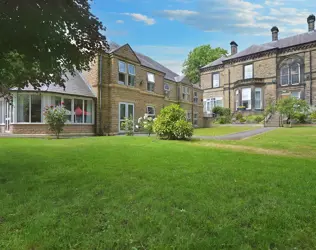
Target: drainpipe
x=100, y=94
x=192, y=98
x=311, y=78
x=229, y=88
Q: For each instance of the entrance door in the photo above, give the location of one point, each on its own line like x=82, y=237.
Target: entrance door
x=125, y=110
x=8, y=110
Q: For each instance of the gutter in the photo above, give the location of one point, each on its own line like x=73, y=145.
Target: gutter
x=100, y=95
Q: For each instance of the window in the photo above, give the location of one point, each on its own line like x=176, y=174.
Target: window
x=125, y=110
x=56, y=100
x=189, y=118
x=36, y=108
x=185, y=93
x=78, y=114
x=1, y=111
x=237, y=99
x=87, y=111
x=213, y=102
x=195, y=118
x=246, y=98
x=195, y=98
x=248, y=71
x=151, y=111
x=295, y=73
x=131, y=75
x=68, y=107
x=122, y=72
x=126, y=76
x=285, y=76
x=29, y=108
x=258, y=98
x=215, y=80
x=296, y=94
x=150, y=82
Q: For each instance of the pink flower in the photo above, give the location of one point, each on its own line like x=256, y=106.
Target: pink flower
x=62, y=103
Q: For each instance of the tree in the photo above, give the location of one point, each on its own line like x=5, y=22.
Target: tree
x=55, y=117
x=42, y=40
x=290, y=107
x=198, y=58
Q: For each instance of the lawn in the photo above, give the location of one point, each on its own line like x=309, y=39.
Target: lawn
x=222, y=130
x=141, y=193
x=300, y=141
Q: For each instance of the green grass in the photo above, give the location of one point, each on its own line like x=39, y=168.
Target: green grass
x=222, y=130
x=297, y=140
x=141, y=193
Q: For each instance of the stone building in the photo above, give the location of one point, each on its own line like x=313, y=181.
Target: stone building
x=260, y=74
x=121, y=83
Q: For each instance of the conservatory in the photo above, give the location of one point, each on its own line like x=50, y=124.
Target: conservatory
x=25, y=113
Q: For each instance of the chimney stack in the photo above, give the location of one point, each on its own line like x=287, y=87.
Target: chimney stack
x=275, y=33
x=311, y=23
x=234, y=47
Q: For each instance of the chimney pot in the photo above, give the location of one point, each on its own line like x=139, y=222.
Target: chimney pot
x=311, y=23
x=275, y=33
x=234, y=47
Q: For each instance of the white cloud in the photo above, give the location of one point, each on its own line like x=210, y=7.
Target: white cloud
x=274, y=2
x=141, y=18
x=179, y=14
x=119, y=21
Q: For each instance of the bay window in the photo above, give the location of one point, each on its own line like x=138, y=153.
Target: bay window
x=258, y=98
x=248, y=71
x=215, y=80
x=150, y=81
x=23, y=106
x=68, y=107
x=246, y=98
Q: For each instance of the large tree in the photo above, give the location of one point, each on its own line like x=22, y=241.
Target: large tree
x=199, y=57
x=42, y=40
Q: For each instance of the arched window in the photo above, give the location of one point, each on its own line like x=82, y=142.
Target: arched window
x=285, y=75
x=295, y=73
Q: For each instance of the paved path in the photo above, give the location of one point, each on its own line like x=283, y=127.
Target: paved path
x=236, y=136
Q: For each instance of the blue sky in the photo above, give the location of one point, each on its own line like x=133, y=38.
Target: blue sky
x=167, y=30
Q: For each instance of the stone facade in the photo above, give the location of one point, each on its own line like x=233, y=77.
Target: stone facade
x=104, y=80
x=266, y=82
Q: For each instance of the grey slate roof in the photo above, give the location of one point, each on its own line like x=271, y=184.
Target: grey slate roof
x=148, y=62
x=75, y=85
x=291, y=41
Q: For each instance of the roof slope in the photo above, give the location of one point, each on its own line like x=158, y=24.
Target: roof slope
x=147, y=62
x=291, y=41
x=74, y=85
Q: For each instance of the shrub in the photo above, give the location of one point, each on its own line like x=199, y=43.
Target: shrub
x=239, y=116
x=254, y=118
x=300, y=117
x=312, y=116
x=166, y=126
x=128, y=126
x=183, y=129
x=55, y=117
x=220, y=111
x=224, y=120
x=242, y=120
x=147, y=123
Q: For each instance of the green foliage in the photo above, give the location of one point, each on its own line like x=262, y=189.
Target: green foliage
x=254, y=118
x=58, y=36
x=221, y=111
x=166, y=126
x=128, y=126
x=55, y=117
x=270, y=108
x=224, y=120
x=199, y=57
x=312, y=116
x=239, y=116
x=289, y=107
x=183, y=130
x=300, y=117
x=242, y=120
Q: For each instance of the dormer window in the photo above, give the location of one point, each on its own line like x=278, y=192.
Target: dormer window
x=248, y=71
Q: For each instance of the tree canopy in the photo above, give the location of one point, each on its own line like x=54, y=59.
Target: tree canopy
x=199, y=57
x=42, y=40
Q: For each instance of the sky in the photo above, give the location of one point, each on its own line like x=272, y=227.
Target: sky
x=167, y=30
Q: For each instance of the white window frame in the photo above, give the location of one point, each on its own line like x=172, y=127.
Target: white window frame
x=237, y=99
x=299, y=74
x=213, y=102
x=126, y=72
x=299, y=94
x=258, y=90
x=246, y=72
x=288, y=75
x=46, y=100
x=126, y=112
x=195, y=98
x=121, y=72
x=2, y=113
x=151, y=106
x=150, y=82
x=185, y=93
x=217, y=81
x=249, y=100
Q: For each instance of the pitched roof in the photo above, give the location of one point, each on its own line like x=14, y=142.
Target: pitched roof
x=147, y=62
x=75, y=85
x=291, y=41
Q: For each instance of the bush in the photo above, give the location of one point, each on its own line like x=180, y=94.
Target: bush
x=220, y=111
x=183, y=129
x=312, y=116
x=166, y=126
x=300, y=117
x=128, y=126
x=242, y=120
x=239, y=116
x=55, y=117
x=254, y=118
x=146, y=123
x=224, y=120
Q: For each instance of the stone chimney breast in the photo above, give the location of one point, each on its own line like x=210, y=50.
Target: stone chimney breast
x=234, y=47
x=311, y=23
x=275, y=33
